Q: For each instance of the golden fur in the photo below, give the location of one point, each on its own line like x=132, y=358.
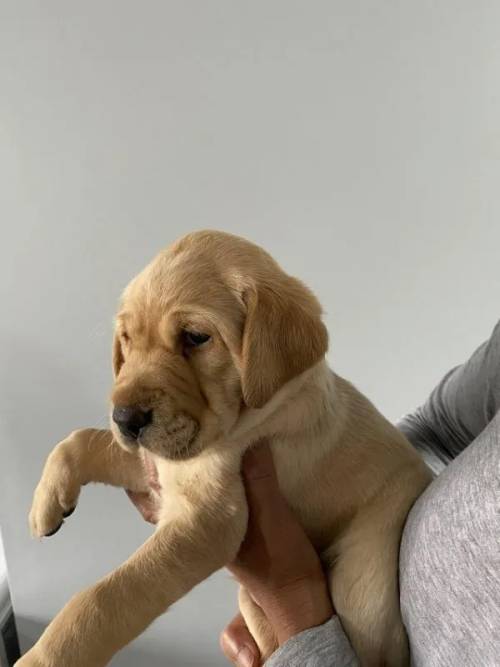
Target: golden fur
x=348, y=474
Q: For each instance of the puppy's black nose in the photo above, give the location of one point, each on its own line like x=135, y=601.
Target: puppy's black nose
x=131, y=419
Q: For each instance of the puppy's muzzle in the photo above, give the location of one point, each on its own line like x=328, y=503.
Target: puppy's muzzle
x=131, y=420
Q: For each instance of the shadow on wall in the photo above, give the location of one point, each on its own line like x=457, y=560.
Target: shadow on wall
x=28, y=631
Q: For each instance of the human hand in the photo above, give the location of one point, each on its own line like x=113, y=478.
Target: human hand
x=277, y=564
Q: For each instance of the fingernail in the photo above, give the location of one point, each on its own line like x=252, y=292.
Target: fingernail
x=245, y=658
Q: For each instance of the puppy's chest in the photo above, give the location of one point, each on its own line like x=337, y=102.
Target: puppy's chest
x=315, y=487
x=195, y=484
x=299, y=474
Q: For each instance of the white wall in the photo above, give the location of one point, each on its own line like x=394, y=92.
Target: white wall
x=3, y=564
x=5, y=605
x=358, y=141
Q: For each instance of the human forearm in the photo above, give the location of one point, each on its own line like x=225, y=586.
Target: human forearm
x=460, y=407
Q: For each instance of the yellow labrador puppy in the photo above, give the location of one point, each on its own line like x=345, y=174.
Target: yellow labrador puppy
x=216, y=347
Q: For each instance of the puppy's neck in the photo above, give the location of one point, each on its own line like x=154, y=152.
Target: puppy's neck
x=304, y=406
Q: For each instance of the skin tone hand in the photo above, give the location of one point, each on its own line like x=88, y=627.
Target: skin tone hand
x=277, y=563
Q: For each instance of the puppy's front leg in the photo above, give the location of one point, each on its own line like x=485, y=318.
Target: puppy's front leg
x=205, y=533
x=86, y=455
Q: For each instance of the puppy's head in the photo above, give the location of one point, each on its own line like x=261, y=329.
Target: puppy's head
x=212, y=327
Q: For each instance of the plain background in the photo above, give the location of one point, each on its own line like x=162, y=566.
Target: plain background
x=357, y=141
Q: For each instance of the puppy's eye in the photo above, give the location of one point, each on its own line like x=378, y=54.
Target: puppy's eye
x=125, y=337
x=194, y=338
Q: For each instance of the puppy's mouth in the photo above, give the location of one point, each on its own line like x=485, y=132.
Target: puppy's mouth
x=176, y=440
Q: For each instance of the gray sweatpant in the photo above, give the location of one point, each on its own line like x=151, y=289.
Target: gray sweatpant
x=450, y=551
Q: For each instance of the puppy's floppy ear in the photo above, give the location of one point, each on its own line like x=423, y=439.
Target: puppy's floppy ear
x=118, y=358
x=282, y=337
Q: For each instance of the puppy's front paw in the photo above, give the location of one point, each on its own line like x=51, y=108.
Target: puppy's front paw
x=56, y=494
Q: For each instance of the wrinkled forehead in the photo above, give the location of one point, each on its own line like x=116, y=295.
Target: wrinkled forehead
x=183, y=285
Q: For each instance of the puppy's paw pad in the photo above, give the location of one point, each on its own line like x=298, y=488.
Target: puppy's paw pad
x=53, y=532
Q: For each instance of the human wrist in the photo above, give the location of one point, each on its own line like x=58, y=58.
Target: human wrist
x=297, y=607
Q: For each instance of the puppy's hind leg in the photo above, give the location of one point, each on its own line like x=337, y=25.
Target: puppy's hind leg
x=365, y=593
